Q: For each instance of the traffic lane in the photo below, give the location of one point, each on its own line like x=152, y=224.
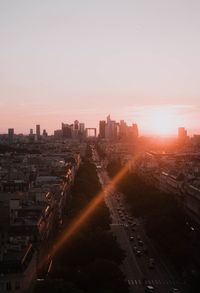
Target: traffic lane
x=143, y=261
x=130, y=266
x=156, y=275
x=139, y=231
x=127, y=245
x=137, y=281
x=153, y=277
x=158, y=271
x=150, y=275
x=160, y=267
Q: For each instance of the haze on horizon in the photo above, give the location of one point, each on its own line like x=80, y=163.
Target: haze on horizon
x=66, y=60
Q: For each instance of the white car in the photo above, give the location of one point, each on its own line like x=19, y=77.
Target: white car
x=175, y=290
x=149, y=288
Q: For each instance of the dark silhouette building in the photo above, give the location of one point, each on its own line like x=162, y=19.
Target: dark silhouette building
x=38, y=132
x=66, y=130
x=102, y=129
x=10, y=135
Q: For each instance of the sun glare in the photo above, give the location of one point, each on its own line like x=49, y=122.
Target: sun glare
x=163, y=121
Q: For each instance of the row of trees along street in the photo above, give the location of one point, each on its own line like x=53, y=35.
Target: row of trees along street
x=89, y=261
x=164, y=222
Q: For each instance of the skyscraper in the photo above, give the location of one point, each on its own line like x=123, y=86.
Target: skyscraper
x=44, y=133
x=82, y=127
x=134, y=130
x=111, y=129
x=123, y=129
x=10, y=135
x=31, y=136
x=76, y=125
x=182, y=134
x=76, y=129
x=102, y=129
x=38, y=132
x=108, y=130
x=66, y=130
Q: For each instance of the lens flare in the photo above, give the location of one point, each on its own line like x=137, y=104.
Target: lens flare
x=86, y=213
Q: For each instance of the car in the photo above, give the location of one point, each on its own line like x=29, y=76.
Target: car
x=149, y=288
x=140, y=242
x=138, y=252
x=131, y=238
x=175, y=290
x=135, y=248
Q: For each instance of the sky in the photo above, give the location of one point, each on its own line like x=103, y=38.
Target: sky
x=137, y=60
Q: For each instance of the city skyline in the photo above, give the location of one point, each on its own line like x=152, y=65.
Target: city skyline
x=108, y=121
x=136, y=60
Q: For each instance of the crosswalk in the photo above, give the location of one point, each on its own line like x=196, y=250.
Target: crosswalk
x=152, y=282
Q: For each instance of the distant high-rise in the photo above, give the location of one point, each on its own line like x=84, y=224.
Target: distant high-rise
x=123, y=129
x=134, y=130
x=182, y=134
x=102, y=129
x=31, y=136
x=38, y=131
x=58, y=134
x=76, y=129
x=82, y=127
x=112, y=130
x=66, y=130
x=109, y=129
x=10, y=135
x=108, y=119
x=76, y=125
x=44, y=133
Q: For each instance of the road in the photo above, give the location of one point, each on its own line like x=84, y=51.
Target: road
x=143, y=266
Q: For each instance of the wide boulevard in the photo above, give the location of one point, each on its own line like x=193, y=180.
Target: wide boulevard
x=145, y=269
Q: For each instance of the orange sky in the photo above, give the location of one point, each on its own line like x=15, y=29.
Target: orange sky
x=67, y=60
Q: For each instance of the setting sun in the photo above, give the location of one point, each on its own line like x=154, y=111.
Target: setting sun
x=162, y=121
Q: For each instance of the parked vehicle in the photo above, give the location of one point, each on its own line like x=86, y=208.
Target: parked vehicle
x=149, y=288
